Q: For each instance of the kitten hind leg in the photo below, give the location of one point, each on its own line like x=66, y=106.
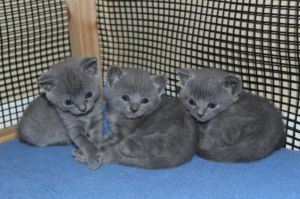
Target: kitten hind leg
x=110, y=153
x=132, y=151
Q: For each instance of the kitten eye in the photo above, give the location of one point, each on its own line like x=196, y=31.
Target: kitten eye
x=211, y=105
x=69, y=102
x=88, y=95
x=145, y=101
x=192, y=102
x=125, y=98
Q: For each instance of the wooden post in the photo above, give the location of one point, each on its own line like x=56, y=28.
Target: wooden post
x=82, y=19
x=8, y=133
x=83, y=31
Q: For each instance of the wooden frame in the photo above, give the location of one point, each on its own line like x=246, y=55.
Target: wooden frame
x=8, y=133
x=83, y=32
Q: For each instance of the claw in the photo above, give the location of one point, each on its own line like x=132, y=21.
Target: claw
x=79, y=156
x=93, y=160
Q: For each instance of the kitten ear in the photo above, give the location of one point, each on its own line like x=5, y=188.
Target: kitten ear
x=113, y=74
x=160, y=82
x=89, y=64
x=184, y=76
x=47, y=82
x=232, y=84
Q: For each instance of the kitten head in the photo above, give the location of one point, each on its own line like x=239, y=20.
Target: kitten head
x=72, y=85
x=207, y=92
x=134, y=93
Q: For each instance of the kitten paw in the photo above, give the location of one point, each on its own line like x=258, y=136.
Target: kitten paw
x=94, y=160
x=79, y=156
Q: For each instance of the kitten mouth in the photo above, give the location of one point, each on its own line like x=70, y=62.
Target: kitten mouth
x=84, y=112
x=200, y=119
x=132, y=115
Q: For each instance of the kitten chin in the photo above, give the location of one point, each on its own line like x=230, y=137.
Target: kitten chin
x=132, y=116
x=202, y=120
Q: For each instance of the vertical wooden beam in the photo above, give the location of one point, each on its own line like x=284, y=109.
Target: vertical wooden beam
x=8, y=133
x=82, y=19
x=83, y=31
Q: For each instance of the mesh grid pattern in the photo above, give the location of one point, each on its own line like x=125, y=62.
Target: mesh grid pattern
x=256, y=40
x=33, y=36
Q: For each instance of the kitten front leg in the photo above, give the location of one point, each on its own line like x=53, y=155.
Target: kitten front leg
x=120, y=152
x=90, y=154
x=115, y=136
x=230, y=134
x=96, y=134
x=234, y=132
x=141, y=147
x=133, y=153
x=111, y=139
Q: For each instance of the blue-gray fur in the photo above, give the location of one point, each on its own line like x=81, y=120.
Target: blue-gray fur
x=233, y=125
x=159, y=134
x=50, y=120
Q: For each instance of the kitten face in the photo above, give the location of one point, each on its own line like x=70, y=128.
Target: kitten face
x=134, y=93
x=207, y=92
x=72, y=86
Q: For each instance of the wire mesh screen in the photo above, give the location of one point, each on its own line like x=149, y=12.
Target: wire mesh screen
x=256, y=40
x=33, y=36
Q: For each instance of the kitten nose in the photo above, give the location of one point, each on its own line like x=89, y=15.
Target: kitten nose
x=200, y=112
x=82, y=107
x=134, y=108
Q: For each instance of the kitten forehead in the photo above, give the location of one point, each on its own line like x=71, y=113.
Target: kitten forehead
x=69, y=73
x=72, y=82
x=204, y=88
x=210, y=74
x=207, y=82
x=136, y=81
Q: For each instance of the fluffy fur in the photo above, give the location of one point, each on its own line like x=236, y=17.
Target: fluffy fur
x=233, y=125
x=70, y=111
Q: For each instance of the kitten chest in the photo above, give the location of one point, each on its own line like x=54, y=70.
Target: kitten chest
x=119, y=124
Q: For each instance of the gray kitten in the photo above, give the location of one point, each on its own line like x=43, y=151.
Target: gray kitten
x=70, y=111
x=150, y=131
x=234, y=125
